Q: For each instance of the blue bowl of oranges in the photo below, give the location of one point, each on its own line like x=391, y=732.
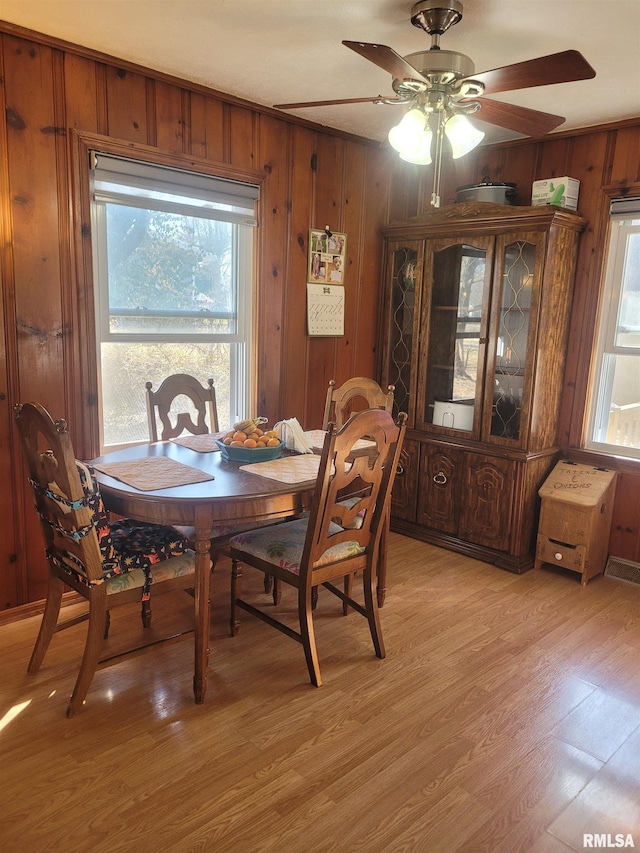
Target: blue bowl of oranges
x=248, y=442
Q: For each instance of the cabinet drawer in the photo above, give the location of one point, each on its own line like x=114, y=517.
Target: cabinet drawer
x=567, y=556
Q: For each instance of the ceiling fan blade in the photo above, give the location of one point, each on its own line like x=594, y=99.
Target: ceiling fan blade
x=520, y=119
x=387, y=59
x=564, y=67
x=377, y=100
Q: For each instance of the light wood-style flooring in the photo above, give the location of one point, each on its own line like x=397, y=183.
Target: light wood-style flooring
x=505, y=718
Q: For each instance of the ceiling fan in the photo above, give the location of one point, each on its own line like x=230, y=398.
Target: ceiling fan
x=441, y=85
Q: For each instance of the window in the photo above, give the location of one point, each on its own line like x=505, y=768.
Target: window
x=173, y=271
x=614, y=421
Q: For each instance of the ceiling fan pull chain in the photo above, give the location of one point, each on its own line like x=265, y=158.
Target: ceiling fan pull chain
x=437, y=160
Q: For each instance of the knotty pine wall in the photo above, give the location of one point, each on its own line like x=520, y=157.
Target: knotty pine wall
x=310, y=177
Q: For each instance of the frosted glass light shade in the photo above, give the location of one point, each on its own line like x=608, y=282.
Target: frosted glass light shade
x=422, y=157
x=462, y=135
x=407, y=137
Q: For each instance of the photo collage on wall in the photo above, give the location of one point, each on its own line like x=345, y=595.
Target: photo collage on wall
x=326, y=257
x=325, y=283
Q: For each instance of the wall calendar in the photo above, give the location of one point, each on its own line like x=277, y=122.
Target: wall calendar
x=325, y=310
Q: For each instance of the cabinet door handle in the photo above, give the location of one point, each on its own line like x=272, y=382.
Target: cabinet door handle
x=440, y=478
x=399, y=470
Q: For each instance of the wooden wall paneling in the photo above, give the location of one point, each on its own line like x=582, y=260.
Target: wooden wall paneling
x=127, y=106
x=463, y=171
x=408, y=185
x=625, y=166
x=489, y=165
x=449, y=182
x=356, y=332
x=243, y=125
x=273, y=158
x=625, y=527
x=12, y=569
x=33, y=188
x=295, y=364
x=554, y=157
x=587, y=164
x=80, y=93
x=207, y=127
x=70, y=320
x=520, y=161
x=170, y=123
x=329, y=210
x=374, y=216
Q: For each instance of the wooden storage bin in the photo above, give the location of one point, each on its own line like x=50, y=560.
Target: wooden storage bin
x=575, y=518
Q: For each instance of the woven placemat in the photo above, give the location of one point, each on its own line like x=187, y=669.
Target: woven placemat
x=316, y=438
x=153, y=472
x=287, y=469
x=200, y=443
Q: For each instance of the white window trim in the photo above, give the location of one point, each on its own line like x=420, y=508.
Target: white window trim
x=241, y=356
x=600, y=403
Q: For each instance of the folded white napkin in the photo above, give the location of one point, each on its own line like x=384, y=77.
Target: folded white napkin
x=293, y=436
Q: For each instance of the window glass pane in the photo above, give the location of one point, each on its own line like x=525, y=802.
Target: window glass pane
x=614, y=416
x=628, y=325
x=169, y=273
x=127, y=367
x=620, y=423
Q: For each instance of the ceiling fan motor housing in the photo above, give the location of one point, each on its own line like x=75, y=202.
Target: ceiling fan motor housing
x=436, y=16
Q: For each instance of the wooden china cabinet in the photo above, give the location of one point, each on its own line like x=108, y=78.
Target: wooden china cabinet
x=476, y=303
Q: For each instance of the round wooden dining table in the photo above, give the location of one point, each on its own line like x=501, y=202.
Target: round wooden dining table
x=233, y=496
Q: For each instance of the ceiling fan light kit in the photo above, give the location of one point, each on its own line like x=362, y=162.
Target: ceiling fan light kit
x=441, y=88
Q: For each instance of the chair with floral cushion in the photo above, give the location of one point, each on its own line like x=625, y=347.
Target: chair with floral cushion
x=107, y=563
x=337, y=538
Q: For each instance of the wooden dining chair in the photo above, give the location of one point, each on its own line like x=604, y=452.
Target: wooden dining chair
x=161, y=404
x=167, y=404
x=335, y=539
x=355, y=394
x=341, y=402
x=107, y=563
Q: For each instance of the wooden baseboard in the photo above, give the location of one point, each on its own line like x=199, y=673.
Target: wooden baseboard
x=34, y=608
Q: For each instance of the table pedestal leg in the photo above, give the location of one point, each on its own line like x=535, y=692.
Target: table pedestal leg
x=202, y=611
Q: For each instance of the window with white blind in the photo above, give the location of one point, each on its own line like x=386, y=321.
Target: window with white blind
x=614, y=412
x=173, y=272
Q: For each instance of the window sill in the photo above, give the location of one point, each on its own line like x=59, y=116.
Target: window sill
x=624, y=464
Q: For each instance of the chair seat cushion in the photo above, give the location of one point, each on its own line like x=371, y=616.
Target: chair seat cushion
x=174, y=568
x=282, y=545
x=127, y=546
x=221, y=531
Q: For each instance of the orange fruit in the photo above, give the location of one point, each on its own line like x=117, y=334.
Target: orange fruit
x=273, y=442
x=257, y=432
x=239, y=436
x=236, y=444
x=250, y=442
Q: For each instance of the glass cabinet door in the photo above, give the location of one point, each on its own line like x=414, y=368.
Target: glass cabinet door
x=455, y=319
x=511, y=328
x=404, y=267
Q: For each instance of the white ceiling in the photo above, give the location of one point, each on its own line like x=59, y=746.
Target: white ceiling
x=283, y=51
